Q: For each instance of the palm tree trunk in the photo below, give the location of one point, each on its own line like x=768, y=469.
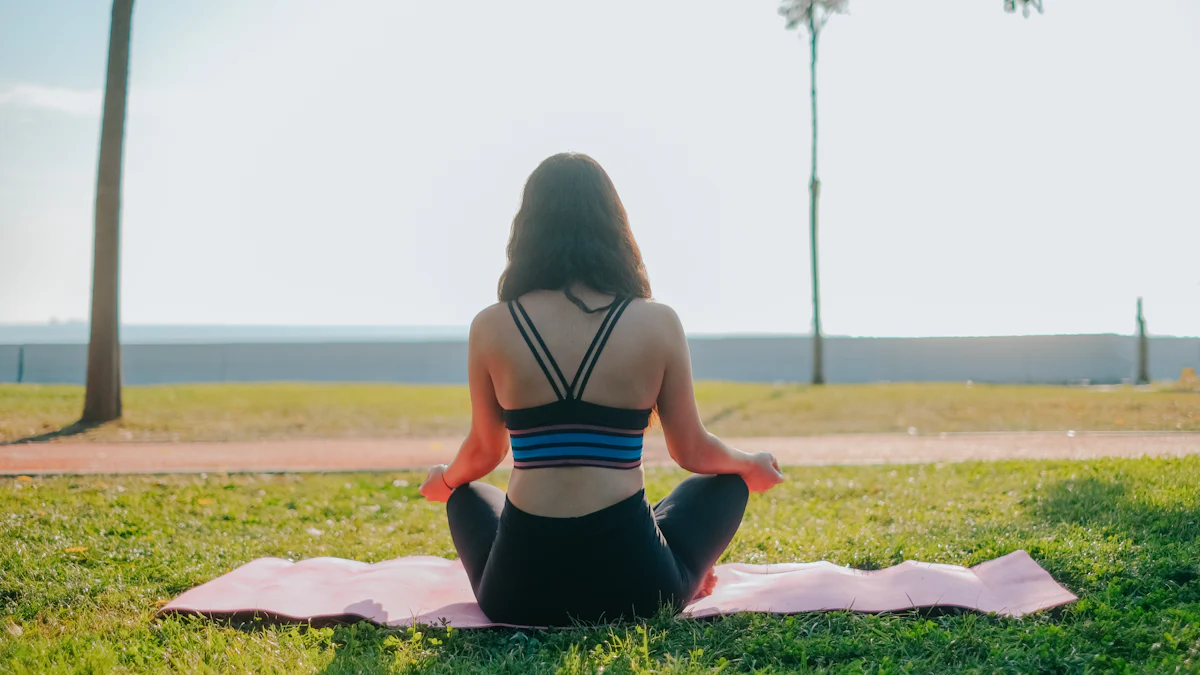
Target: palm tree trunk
x=814, y=192
x=1143, y=344
x=102, y=402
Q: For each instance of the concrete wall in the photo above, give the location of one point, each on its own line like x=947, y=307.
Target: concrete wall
x=1038, y=359
x=436, y=362
x=1054, y=359
x=9, y=360
x=1169, y=355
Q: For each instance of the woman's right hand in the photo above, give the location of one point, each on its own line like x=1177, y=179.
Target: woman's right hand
x=435, y=488
x=761, y=472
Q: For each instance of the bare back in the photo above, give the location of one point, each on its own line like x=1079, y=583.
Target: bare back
x=627, y=374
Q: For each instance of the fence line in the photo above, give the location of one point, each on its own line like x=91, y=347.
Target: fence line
x=1060, y=359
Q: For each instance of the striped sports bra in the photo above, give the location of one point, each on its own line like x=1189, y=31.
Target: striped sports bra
x=571, y=431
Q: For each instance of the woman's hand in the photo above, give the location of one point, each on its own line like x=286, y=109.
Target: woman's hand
x=761, y=472
x=435, y=488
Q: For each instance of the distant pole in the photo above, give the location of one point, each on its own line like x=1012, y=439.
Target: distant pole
x=1143, y=376
x=814, y=190
x=804, y=13
x=102, y=400
x=21, y=364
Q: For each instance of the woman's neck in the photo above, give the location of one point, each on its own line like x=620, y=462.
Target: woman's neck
x=588, y=300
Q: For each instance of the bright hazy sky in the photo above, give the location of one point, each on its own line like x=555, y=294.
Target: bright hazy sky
x=317, y=162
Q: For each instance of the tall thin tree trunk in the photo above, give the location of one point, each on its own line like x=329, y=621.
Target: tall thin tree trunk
x=814, y=191
x=102, y=402
x=1143, y=376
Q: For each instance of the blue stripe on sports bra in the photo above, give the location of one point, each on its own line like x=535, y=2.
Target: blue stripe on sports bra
x=579, y=451
x=579, y=437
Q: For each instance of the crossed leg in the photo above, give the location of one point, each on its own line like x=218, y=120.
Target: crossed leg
x=698, y=520
x=474, y=514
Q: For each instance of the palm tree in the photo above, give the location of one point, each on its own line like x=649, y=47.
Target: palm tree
x=102, y=402
x=813, y=14
x=1011, y=6
x=1143, y=348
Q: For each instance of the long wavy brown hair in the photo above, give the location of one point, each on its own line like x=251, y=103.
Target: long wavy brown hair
x=572, y=228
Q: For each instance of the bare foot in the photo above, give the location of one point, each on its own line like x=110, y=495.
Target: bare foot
x=707, y=584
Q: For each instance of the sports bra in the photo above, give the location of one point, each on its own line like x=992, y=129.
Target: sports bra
x=571, y=431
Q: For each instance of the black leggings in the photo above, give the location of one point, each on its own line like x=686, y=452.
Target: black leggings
x=627, y=560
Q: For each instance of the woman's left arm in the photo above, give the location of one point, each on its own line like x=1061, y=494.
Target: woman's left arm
x=487, y=442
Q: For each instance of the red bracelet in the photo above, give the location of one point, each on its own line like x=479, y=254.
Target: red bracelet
x=443, y=477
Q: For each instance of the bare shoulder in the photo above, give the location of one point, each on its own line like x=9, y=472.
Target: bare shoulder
x=488, y=322
x=656, y=310
x=490, y=314
x=659, y=319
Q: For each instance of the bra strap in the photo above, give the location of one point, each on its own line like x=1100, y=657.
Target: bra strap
x=612, y=309
x=615, y=313
x=536, y=355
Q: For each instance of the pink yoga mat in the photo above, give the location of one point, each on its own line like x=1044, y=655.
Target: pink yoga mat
x=429, y=590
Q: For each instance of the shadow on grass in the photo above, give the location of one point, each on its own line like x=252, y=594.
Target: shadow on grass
x=730, y=411
x=1100, y=504
x=358, y=646
x=1163, y=536
x=1087, y=502
x=361, y=648
x=72, y=429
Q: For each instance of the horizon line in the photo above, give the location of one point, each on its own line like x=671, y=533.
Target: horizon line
x=427, y=333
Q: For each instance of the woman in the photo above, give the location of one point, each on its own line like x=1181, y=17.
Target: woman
x=575, y=538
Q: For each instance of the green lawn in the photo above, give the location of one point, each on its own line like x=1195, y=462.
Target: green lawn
x=85, y=560
x=254, y=411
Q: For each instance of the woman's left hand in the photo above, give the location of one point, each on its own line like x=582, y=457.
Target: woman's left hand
x=435, y=488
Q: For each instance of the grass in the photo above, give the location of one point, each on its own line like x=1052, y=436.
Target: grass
x=280, y=411
x=84, y=562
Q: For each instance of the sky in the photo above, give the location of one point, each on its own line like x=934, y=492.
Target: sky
x=304, y=162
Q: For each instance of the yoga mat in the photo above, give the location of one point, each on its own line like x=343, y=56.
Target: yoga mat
x=429, y=590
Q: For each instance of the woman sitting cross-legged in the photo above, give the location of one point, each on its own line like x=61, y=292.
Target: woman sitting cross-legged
x=567, y=369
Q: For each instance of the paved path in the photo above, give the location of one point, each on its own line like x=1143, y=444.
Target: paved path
x=408, y=453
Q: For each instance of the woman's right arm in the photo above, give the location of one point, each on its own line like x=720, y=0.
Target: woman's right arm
x=688, y=442
x=487, y=442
